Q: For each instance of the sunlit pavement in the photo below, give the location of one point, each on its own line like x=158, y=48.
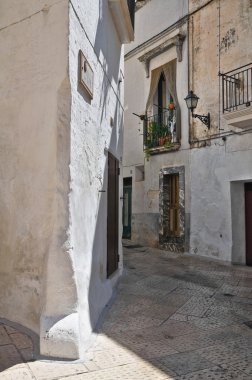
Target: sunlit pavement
x=175, y=317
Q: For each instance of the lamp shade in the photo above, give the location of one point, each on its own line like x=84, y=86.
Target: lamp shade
x=191, y=100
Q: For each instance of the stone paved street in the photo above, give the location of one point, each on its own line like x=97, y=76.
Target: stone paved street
x=174, y=317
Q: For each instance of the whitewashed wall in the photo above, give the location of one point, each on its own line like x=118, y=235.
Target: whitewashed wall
x=35, y=104
x=53, y=167
x=92, y=136
x=215, y=170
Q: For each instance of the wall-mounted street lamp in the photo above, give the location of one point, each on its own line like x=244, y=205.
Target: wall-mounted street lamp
x=191, y=102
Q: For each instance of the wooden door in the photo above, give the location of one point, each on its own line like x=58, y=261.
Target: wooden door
x=112, y=215
x=248, y=218
x=127, y=194
x=171, y=208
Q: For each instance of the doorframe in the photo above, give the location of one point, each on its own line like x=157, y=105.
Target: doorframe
x=172, y=243
x=238, y=224
x=248, y=217
x=116, y=204
x=129, y=204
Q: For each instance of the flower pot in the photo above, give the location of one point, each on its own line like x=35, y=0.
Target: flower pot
x=161, y=141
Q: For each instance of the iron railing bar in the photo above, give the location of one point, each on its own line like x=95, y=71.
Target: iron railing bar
x=227, y=104
x=228, y=72
x=239, y=89
x=223, y=100
x=247, y=87
x=233, y=95
x=243, y=87
x=250, y=98
x=236, y=89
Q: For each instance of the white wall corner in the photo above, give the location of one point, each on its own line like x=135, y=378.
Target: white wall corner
x=59, y=338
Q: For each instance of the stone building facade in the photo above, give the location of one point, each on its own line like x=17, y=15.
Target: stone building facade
x=156, y=75
x=207, y=176
x=221, y=160
x=61, y=85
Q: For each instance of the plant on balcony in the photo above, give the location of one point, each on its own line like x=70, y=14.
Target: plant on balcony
x=165, y=136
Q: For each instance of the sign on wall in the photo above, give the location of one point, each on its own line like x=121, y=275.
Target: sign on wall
x=86, y=74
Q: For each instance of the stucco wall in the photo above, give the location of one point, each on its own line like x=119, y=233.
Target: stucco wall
x=218, y=171
x=227, y=52
x=92, y=136
x=34, y=88
x=212, y=214
x=154, y=17
x=54, y=149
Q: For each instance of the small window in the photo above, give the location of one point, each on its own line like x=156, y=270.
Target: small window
x=139, y=173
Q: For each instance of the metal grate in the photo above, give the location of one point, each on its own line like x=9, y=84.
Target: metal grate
x=237, y=88
x=160, y=129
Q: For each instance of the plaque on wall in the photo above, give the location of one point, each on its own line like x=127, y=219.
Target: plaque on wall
x=86, y=74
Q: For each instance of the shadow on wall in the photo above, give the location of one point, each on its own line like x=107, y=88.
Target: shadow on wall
x=109, y=54
x=100, y=289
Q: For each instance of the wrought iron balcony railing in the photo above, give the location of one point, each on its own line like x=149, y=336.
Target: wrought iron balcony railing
x=237, y=88
x=160, y=130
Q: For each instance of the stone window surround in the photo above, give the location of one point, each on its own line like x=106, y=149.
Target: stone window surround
x=172, y=243
x=164, y=46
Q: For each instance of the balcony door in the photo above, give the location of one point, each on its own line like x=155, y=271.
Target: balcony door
x=127, y=201
x=248, y=218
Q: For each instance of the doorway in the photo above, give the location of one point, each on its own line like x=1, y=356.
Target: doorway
x=248, y=222
x=127, y=202
x=171, y=208
x=112, y=214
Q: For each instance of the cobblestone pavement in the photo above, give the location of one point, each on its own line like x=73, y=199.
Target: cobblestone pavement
x=175, y=317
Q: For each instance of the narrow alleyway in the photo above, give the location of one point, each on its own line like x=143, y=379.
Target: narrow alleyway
x=174, y=317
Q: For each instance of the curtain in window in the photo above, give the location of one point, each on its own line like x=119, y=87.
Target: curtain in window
x=155, y=75
x=169, y=71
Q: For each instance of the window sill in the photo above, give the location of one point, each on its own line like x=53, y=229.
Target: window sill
x=164, y=149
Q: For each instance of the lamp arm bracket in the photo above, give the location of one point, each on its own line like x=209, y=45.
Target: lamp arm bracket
x=205, y=119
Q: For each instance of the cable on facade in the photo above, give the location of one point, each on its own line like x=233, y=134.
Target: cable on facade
x=44, y=9
x=177, y=23
x=222, y=135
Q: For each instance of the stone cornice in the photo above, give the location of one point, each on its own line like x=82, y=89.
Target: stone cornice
x=164, y=46
x=153, y=40
x=141, y=3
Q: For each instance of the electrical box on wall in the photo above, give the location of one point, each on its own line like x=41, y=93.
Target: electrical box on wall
x=86, y=74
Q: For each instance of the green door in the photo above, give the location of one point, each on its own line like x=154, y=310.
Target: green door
x=127, y=194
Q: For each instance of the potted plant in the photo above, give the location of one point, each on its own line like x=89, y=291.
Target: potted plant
x=153, y=132
x=163, y=135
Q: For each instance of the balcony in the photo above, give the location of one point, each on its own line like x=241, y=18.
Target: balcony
x=237, y=96
x=123, y=14
x=160, y=132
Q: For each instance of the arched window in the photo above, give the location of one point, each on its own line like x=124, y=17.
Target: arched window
x=162, y=108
